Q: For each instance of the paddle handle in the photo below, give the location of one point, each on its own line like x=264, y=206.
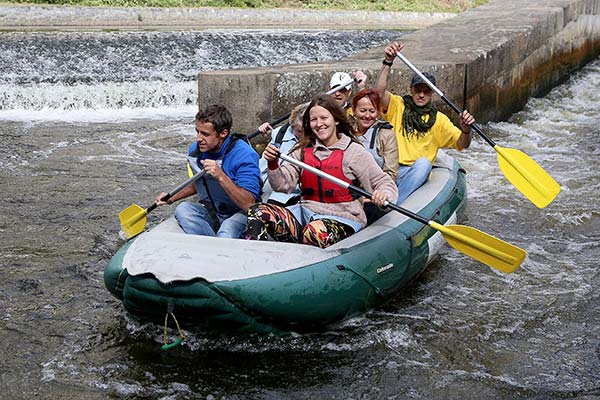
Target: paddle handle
x=286, y=116
x=441, y=94
x=167, y=196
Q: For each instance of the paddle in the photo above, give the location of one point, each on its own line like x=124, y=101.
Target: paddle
x=286, y=116
x=482, y=247
x=520, y=170
x=133, y=218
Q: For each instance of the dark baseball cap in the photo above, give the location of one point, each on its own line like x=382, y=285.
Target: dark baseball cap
x=416, y=79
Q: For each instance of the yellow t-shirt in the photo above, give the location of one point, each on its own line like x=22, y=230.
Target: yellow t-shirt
x=443, y=134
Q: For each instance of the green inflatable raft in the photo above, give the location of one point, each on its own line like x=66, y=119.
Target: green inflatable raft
x=249, y=286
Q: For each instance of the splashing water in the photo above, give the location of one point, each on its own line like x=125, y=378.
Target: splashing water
x=133, y=75
x=461, y=329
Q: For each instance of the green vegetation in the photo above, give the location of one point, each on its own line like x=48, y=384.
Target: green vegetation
x=371, y=5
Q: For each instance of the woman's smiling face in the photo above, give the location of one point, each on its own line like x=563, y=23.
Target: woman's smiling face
x=366, y=114
x=323, y=125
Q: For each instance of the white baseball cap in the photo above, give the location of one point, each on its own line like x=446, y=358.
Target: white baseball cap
x=338, y=78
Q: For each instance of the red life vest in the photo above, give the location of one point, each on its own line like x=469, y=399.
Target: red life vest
x=319, y=189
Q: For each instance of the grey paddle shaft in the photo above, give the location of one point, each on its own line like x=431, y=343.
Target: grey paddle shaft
x=416, y=71
x=340, y=87
x=315, y=171
x=184, y=184
x=177, y=189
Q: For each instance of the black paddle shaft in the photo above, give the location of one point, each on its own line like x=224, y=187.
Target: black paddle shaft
x=167, y=196
x=474, y=125
x=393, y=206
x=272, y=123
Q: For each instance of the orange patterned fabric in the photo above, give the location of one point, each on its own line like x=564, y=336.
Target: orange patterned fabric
x=272, y=221
x=325, y=232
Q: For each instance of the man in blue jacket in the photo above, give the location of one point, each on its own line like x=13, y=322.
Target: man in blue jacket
x=230, y=185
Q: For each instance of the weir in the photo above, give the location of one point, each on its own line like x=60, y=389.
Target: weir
x=498, y=54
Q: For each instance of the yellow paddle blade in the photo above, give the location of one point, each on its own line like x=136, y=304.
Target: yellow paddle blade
x=527, y=176
x=133, y=220
x=482, y=247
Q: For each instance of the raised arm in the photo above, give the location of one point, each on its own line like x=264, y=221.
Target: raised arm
x=382, y=79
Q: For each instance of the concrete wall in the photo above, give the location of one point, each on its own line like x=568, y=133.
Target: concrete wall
x=500, y=54
x=25, y=17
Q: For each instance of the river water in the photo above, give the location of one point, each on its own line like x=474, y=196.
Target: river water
x=91, y=123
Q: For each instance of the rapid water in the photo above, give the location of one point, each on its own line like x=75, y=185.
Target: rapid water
x=92, y=123
x=79, y=76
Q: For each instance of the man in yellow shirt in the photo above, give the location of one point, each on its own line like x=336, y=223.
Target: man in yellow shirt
x=420, y=129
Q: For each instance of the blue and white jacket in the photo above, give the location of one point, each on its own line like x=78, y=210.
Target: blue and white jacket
x=239, y=161
x=288, y=141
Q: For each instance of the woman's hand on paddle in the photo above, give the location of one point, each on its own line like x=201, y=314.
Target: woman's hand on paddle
x=271, y=153
x=379, y=197
x=391, y=50
x=265, y=129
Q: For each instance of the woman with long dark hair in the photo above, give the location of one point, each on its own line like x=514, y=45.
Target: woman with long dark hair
x=327, y=213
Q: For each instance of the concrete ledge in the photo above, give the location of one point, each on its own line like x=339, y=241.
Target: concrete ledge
x=100, y=18
x=499, y=54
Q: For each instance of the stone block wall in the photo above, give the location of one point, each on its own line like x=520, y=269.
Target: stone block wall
x=499, y=55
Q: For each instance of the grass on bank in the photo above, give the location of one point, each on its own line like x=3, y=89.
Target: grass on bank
x=365, y=5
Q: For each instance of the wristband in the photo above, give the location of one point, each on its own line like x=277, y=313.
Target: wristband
x=388, y=63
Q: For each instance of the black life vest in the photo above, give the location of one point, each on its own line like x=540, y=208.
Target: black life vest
x=281, y=134
x=207, y=187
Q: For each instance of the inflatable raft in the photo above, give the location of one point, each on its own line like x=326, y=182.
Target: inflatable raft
x=251, y=286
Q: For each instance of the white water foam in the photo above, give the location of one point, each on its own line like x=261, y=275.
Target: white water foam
x=106, y=102
x=100, y=77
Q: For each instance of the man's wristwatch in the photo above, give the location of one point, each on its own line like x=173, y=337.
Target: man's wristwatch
x=388, y=63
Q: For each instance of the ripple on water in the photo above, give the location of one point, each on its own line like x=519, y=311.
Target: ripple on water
x=461, y=329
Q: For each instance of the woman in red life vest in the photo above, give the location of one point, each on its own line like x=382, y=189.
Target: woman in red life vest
x=327, y=213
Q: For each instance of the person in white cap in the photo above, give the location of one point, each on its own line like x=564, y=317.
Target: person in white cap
x=342, y=96
x=420, y=128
